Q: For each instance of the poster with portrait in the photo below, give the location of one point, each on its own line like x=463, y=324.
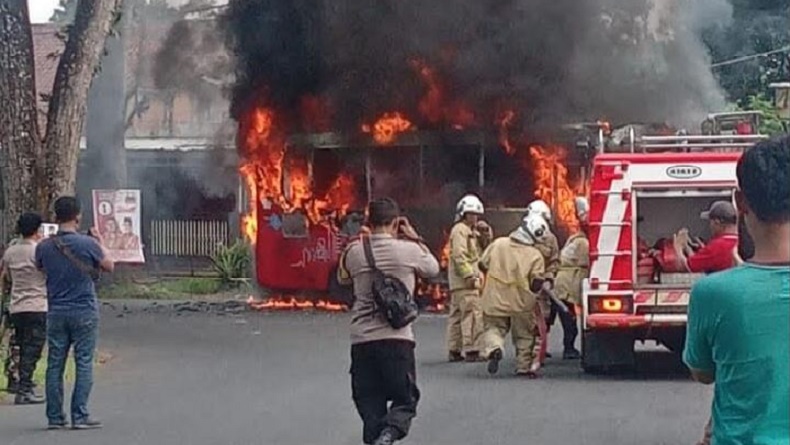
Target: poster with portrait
x=116, y=214
x=48, y=230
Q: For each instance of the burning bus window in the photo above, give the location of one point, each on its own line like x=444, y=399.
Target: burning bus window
x=508, y=182
x=394, y=173
x=295, y=225
x=451, y=172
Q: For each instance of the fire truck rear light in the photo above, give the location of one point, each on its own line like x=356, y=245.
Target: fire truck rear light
x=611, y=305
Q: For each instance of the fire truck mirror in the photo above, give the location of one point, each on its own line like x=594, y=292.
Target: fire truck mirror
x=295, y=225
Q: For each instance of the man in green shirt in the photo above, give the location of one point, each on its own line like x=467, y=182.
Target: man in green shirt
x=738, y=333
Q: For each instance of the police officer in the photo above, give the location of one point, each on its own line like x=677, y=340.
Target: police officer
x=514, y=275
x=550, y=249
x=574, y=266
x=468, y=237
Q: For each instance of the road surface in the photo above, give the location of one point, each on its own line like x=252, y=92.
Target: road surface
x=282, y=379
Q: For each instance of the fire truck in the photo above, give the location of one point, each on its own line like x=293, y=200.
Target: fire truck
x=641, y=193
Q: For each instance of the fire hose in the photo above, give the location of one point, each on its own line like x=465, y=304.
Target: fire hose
x=554, y=299
x=543, y=329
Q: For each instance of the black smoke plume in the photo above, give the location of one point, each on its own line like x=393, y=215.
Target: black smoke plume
x=553, y=61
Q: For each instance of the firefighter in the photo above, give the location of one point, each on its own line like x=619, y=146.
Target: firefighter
x=549, y=248
x=574, y=266
x=468, y=237
x=514, y=275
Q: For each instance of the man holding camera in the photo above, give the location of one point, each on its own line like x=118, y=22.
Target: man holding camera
x=71, y=262
x=382, y=357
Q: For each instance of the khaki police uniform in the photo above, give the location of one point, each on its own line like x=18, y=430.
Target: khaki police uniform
x=508, y=304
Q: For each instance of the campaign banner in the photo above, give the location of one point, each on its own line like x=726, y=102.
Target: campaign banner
x=116, y=214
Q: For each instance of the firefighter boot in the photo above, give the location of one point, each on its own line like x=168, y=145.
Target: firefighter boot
x=455, y=356
x=387, y=436
x=493, y=361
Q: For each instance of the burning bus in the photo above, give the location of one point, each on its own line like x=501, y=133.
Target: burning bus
x=306, y=193
x=424, y=103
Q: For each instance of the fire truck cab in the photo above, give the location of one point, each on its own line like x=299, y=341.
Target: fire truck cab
x=639, y=198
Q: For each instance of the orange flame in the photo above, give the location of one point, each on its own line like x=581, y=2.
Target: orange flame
x=552, y=184
x=287, y=185
x=292, y=303
x=503, y=121
x=261, y=166
x=444, y=257
x=387, y=127
x=434, y=106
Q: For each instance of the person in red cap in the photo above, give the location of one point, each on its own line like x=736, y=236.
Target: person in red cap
x=718, y=254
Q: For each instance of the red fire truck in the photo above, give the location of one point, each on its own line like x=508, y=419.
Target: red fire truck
x=640, y=195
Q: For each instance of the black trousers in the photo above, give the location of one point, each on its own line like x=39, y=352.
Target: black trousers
x=384, y=386
x=30, y=332
x=570, y=330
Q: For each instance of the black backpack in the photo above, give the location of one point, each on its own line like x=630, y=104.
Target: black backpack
x=392, y=298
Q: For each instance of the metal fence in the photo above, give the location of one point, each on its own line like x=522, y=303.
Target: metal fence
x=188, y=238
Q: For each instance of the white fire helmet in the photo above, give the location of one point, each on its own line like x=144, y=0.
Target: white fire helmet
x=539, y=207
x=536, y=228
x=468, y=204
x=582, y=208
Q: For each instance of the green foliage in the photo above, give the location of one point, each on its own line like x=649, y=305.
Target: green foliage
x=193, y=286
x=770, y=123
x=232, y=263
x=758, y=26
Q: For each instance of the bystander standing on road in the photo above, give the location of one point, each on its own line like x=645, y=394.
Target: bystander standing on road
x=28, y=304
x=383, y=374
x=71, y=262
x=738, y=333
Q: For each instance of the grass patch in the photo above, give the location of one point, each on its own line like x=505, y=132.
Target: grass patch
x=192, y=286
x=182, y=288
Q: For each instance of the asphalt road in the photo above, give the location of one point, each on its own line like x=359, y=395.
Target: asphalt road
x=282, y=379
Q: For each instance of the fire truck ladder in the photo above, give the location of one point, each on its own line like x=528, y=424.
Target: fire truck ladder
x=689, y=143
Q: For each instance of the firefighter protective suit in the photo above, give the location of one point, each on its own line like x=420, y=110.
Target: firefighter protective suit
x=573, y=269
x=465, y=322
x=508, y=303
x=549, y=247
x=574, y=264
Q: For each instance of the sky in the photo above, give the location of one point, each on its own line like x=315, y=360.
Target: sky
x=41, y=10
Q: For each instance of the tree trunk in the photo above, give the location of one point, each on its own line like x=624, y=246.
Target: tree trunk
x=20, y=140
x=66, y=113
